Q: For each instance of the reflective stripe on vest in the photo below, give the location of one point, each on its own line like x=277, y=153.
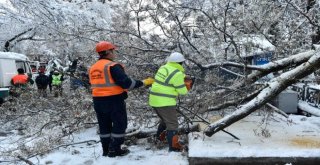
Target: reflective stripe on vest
x=169, y=84
x=56, y=80
x=102, y=83
x=106, y=78
x=133, y=84
x=166, y=83
x=162, y=95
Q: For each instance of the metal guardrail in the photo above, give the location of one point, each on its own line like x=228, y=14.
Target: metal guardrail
x=309, y=93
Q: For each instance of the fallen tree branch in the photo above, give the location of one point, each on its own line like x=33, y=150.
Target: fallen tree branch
x=234, y=102
x=207, y=123
x=304, y=106
x=276, y=86
x=47, y=151
x=144, y=134
x=25, y=160
x=234, y=64
x=277, y=110
x=276, y=66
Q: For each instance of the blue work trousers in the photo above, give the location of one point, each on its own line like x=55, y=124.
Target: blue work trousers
x=112, y=119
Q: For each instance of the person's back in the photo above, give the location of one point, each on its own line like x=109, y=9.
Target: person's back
x=20, y=79
x=42, y=81
x=19, y=82
x=169, y=84
x=109, y=84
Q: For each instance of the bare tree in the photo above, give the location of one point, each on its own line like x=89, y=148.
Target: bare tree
x=214, y=36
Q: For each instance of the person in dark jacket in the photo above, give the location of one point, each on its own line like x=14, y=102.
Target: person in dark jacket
x=109, y=84
x=42, y=82
x=50, y=80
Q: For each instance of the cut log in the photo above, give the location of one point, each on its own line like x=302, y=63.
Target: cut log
x=144, y=134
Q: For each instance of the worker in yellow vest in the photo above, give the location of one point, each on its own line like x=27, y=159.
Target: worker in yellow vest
x=56, y=82
x=169, y=84
x=109, y=84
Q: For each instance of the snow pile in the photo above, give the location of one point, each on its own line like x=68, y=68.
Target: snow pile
x=308, y=108
x=274, y=136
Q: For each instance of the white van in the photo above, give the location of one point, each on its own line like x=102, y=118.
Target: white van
x=9, y=63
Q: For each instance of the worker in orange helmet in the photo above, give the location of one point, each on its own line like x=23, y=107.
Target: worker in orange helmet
x=110, y=84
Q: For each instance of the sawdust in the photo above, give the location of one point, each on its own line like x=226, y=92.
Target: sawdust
x=306, y=142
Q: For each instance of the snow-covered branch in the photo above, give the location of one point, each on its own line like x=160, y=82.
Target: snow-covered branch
x=276, y=66
x=273, y=89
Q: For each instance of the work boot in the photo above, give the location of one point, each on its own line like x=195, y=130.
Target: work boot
x=121, y=152
x=173, y=141
x=176, y=146
x=162, y=136
x=161, y=131
x=105, y=145
x=105, y=149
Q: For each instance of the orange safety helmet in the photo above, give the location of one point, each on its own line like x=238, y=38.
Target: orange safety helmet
x=104, y=46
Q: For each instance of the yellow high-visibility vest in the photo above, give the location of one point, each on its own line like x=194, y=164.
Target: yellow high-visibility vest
x=169, y=83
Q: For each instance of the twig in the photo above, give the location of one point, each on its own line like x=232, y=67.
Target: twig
x=279, y=111
x=204, y=121
x=25, y=160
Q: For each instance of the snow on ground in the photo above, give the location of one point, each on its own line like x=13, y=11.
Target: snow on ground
x=84, y=154
x=297, y=136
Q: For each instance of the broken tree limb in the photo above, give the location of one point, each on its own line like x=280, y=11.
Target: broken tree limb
x=270, y=67
x=206, y=122
x=46, y=151
x=277, y=110
x=228, y=63
x=234, y=102
x=147, y=133
x=275, y=86
x=275, y=66
x=25, y=160
x=304, y=106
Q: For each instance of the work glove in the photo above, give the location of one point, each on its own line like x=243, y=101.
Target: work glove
x=148, y=81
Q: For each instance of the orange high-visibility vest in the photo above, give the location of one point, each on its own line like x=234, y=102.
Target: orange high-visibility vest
x=101, y=81
x=20, y=79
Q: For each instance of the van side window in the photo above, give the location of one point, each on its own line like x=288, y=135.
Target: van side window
x=20, y=64
x=23, y=65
